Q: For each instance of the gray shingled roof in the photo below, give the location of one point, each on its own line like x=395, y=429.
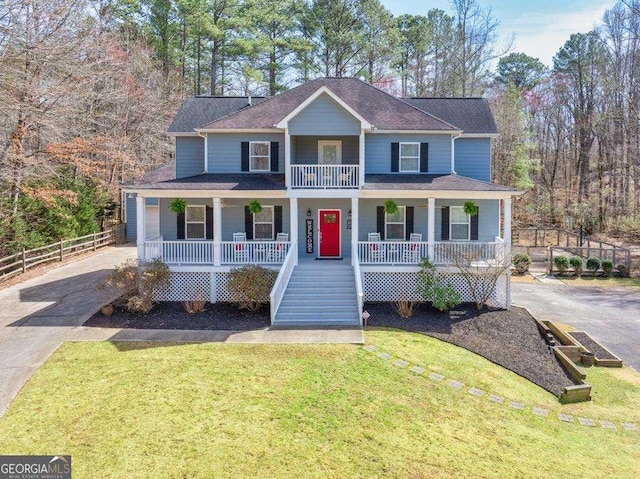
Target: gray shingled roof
x=472, y=115
x=220, y=181
x=429, y=182
x=377, y=107
x=164, y=173
x=200, y=110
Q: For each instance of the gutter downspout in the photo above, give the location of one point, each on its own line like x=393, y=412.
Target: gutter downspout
x=206, y=150
x=453, y=152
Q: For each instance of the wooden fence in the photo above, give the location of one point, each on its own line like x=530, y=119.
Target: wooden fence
x=562, y=242
x=20, y=262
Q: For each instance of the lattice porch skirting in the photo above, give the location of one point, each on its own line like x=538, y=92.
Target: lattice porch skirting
x=391, y=286
x=184, y=286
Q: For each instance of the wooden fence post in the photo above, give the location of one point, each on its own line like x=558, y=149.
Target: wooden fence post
x=61, y=249
x=95, y=245
x=24, y=259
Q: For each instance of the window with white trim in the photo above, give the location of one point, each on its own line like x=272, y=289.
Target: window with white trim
x=395, y=224
x=263, y=224
x=409, y=157
x=459, y=224
x=259, y=155
x=195, y=218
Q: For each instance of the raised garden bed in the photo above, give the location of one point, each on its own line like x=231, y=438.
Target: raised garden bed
x=172, y=315
x=604, y=357
x=508, y=338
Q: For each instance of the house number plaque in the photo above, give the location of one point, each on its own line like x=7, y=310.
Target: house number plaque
x=309, y=235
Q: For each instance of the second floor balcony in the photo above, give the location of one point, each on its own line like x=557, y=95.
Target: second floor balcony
x=325, y=176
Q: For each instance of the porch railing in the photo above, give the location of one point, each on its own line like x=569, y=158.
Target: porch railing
x=280, y=285
x=325, y=176
x=232, y=252
x=359, y=288
x=411, y=253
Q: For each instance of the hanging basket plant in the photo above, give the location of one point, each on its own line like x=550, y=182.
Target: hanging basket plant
x=254, y=207
x=470, y=208
x=390, y=207
x=178, y=206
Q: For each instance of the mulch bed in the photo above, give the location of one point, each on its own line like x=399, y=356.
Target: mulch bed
x=591, y=345
x=172, y=315
x=508, y=338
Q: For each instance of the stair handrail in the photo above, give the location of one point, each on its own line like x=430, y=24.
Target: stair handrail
x=280, y=285
x=359, y=288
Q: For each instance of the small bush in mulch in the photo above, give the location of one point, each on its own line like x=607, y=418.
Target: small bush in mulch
x=508, y=338
x=172, y=315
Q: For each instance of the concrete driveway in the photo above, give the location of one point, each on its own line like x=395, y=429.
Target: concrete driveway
x=610, y=315
x=37, y=315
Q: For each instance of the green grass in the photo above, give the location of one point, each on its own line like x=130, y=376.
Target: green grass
x=600, y=281
x=134, y=410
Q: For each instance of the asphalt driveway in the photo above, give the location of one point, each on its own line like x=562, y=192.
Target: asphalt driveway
x=37, y=315
x=610, y=315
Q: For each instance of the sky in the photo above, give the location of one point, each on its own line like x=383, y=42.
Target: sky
x=540, y=27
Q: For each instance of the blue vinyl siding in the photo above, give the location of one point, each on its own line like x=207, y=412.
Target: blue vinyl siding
x=488, y=212
x=225, y=150
x=369, y=220
x=378, y=151
x=473, y=158
x=131, y=212
x=324, y=116
x=232, y=215
x=304, y=149
x=189, y=156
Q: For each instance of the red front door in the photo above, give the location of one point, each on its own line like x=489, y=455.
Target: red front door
x=329, y=232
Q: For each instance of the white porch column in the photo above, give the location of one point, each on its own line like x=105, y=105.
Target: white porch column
x=361, y=160
x=287, y=158
x=293, y=223
x=354, y=227
x=217, y=231
x=140, y=226
x=507, y=224
x=431, y=228
x=206, y=152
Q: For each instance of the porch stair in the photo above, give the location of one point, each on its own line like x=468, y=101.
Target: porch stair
x=319, y=293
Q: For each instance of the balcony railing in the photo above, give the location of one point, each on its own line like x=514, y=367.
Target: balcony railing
x=325, y=176
x=411, y=253
x=231, y=252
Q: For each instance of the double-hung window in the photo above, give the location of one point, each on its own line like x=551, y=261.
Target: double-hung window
x=459, y=224
x=259, y=155
x=195, y=222
x=263, y=224
x=409, y=157
x=395, y=225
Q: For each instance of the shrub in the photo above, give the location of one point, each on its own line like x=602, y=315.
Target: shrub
x=521, y=262
x=593, y=264
x=442, y=297
x=562, y=263
x=576, y=264
x=251, y=286
x=403, y=306
x=622, y=269
x=194, y=306
x=607, y=267
x=137, y=282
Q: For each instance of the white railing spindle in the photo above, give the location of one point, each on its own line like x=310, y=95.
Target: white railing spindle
x=325, y=176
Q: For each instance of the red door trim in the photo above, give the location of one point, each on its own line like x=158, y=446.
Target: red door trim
x=339, y=211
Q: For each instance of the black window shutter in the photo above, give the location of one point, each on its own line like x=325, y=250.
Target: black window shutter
x=245, y=155
x=277, y=219
x=274, y=155
x=380, y=220
x=424, y=157
x=395, y=157
x=208, y=226
x=180, y=226
x=474, y=226
x=444, y=234
x=409, y=222
x=248, y=223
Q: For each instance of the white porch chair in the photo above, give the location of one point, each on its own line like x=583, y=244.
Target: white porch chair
x=240, y=250
x=376, y=248
x=411, y=253
x=277, y=252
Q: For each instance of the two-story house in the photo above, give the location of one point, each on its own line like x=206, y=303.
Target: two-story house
x=324, y=160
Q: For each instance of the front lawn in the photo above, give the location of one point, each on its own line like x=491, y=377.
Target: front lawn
x=218, y=410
